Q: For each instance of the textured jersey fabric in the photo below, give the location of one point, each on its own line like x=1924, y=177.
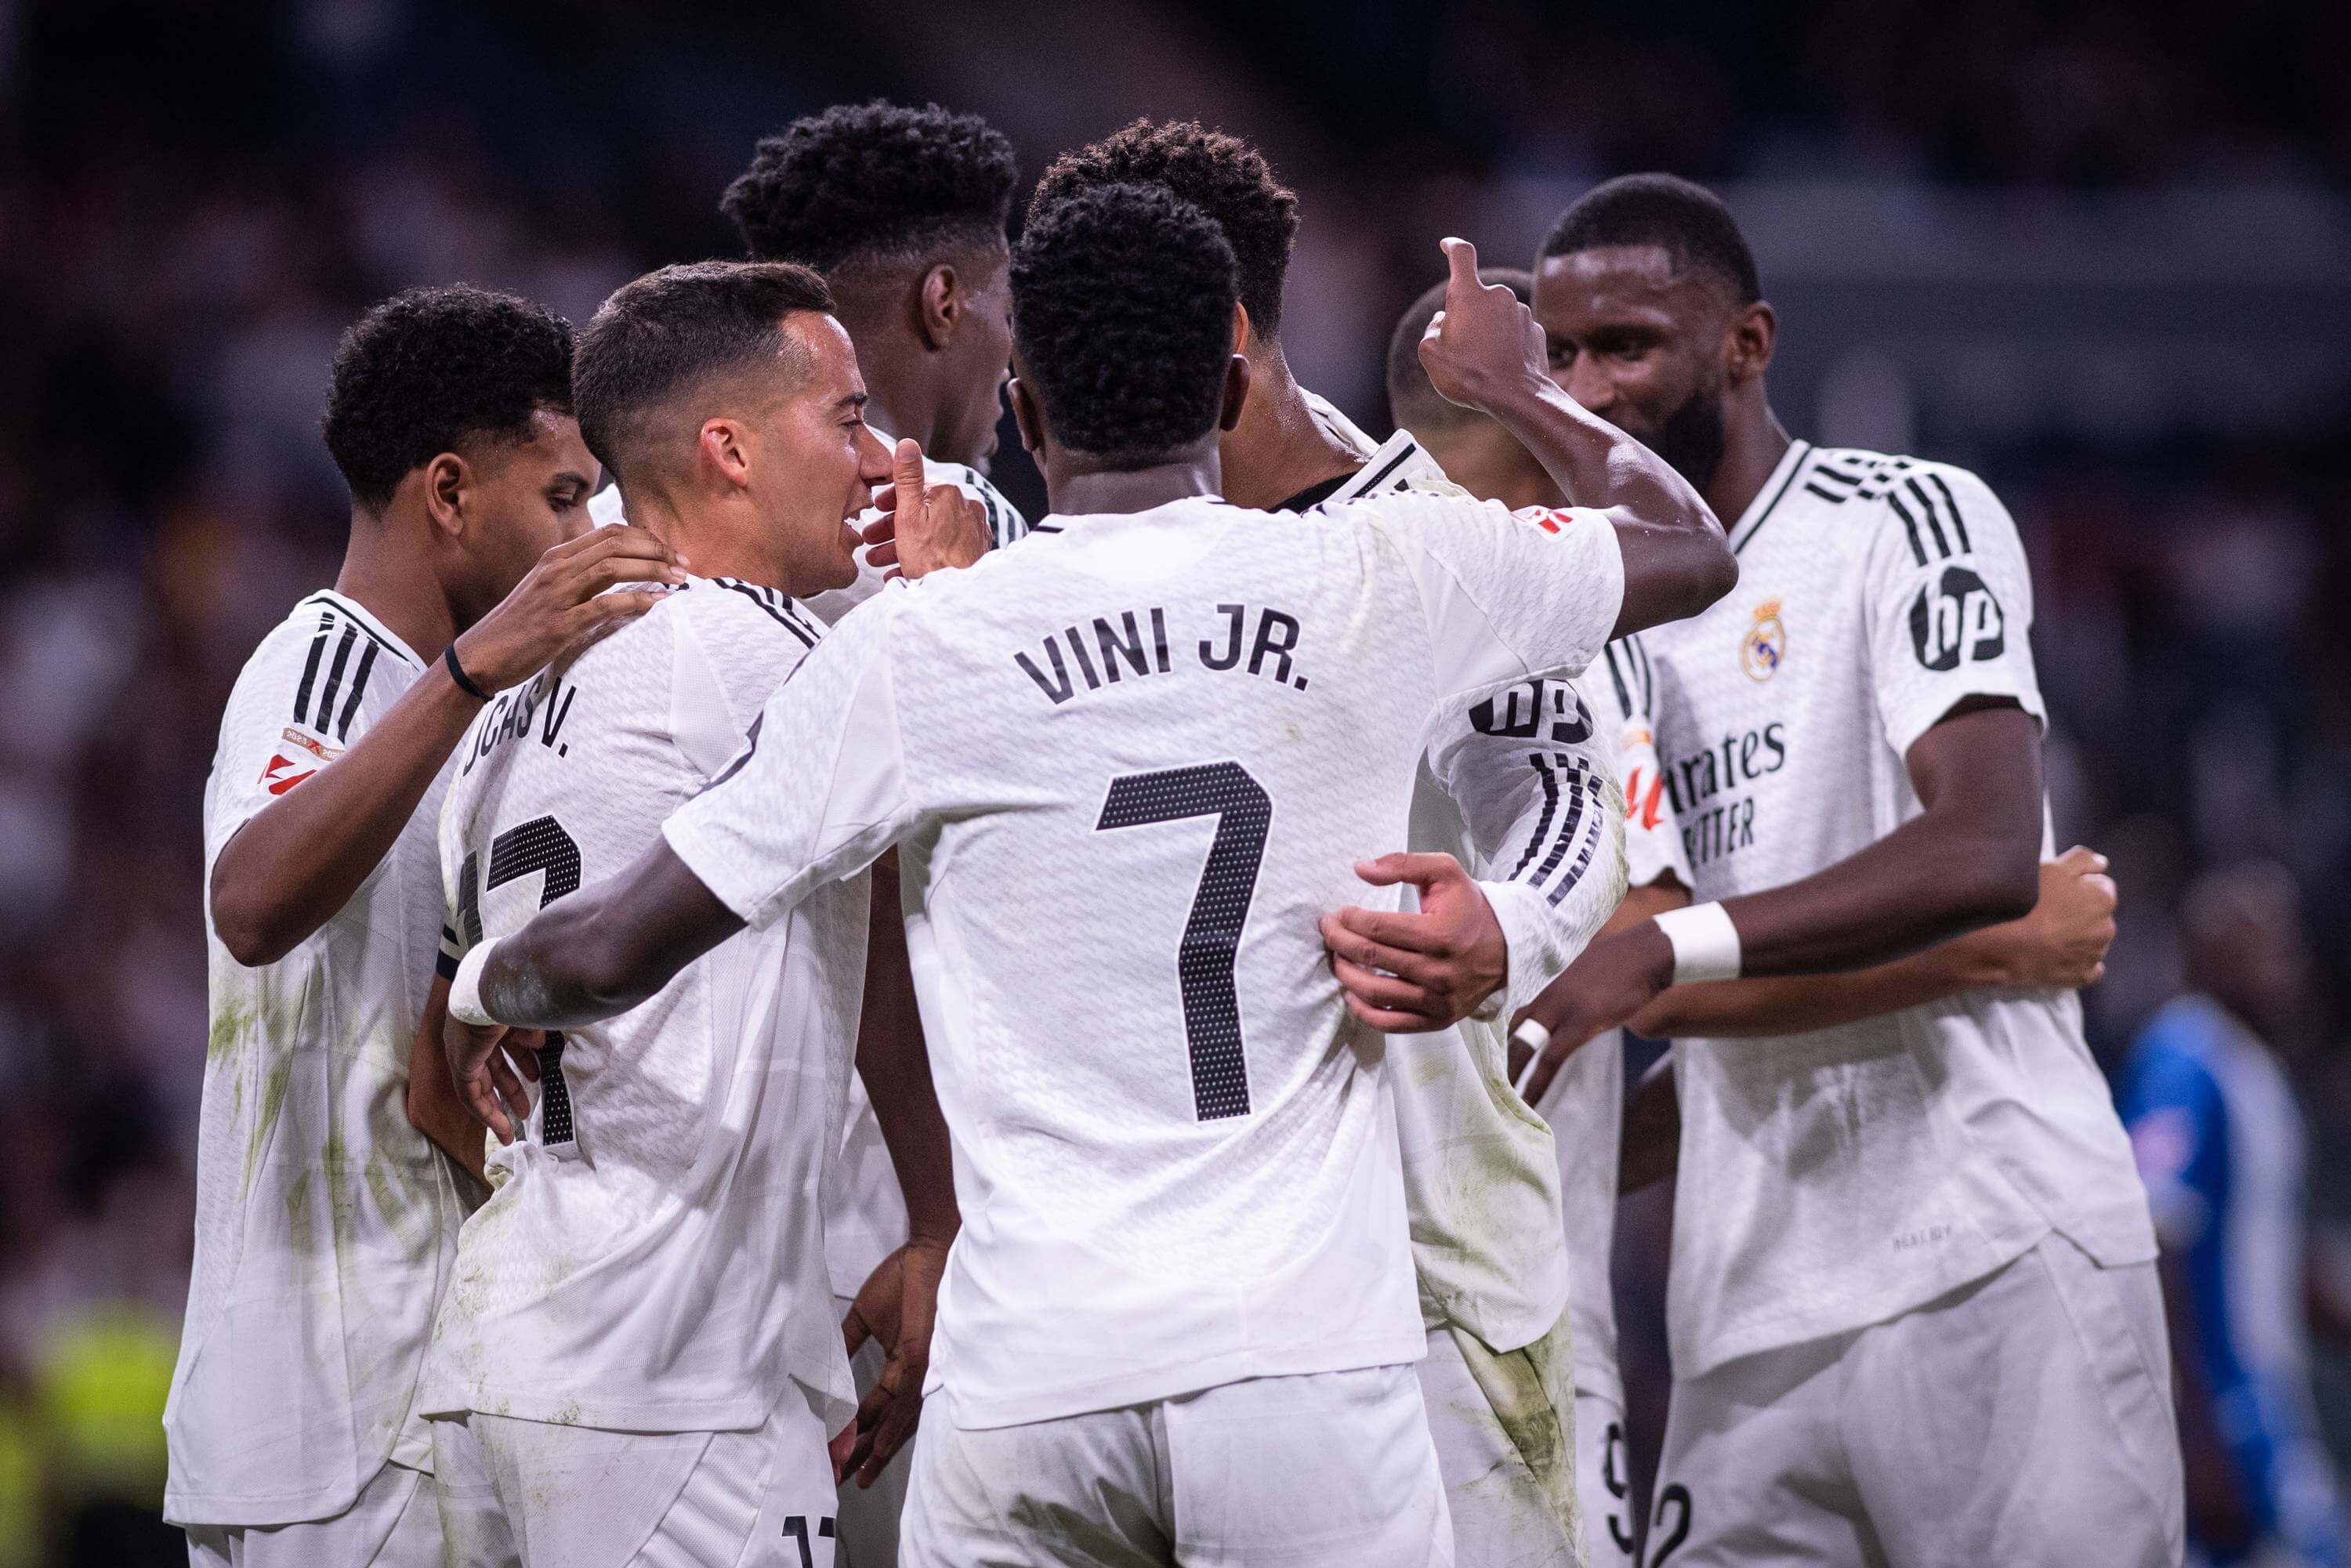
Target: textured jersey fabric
x=1516, y=786
x=1834, y=1179
x=1129, y=765
x=1585, y=1101
x=652, y=1254
x=866, y=1213
x=324, y=1221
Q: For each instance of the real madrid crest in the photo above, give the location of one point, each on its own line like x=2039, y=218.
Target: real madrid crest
x=1766, y=647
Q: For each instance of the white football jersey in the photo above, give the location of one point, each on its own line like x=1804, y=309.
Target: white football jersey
x=1129, y=766
x=1834, y=1179
x=1585, y=1101
x=866, y=1213
x=1510, y=775
x=324, y=1221
x=652, y=1257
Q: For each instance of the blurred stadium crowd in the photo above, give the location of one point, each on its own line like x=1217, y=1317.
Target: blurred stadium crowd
x=2099, y=254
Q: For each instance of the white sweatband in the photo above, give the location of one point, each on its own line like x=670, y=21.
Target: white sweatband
x=1705, y=942
x=465, y=987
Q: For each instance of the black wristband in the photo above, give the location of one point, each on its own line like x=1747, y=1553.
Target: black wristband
x=457, y=673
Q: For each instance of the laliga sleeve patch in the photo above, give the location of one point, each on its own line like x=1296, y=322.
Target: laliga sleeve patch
x=1955, y=618
x=297, y=755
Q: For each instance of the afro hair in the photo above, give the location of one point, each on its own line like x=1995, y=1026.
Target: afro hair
x=875, y=180
x=432, y=370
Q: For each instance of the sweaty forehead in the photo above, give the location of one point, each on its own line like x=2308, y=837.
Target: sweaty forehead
x=1617, y=283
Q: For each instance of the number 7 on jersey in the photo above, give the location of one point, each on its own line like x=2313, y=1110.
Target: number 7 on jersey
x=1212, y=937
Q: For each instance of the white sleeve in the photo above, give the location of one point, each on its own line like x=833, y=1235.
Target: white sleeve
x=1506, y=594
x=1624, y=688
x=1949, y=604
x=821, y=788
x=299, y=704
x=1523, y=762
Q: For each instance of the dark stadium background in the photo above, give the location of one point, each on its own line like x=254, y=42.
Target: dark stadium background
x=2102, y=253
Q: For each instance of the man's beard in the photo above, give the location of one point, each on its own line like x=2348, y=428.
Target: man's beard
x=1691, y=438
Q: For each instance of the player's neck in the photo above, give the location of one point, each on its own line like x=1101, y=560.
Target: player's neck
x=715, y=545
x=1753, y=442
x=1279, y=448
x=384, y=572
x=900, y=403
x=1076, y=491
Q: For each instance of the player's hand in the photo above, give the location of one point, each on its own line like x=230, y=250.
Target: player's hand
x=894, y=1306
x=1484, y=343
x=560, y=606
x=924, y=528
x=484, y=1062
x=2062, y=945
x=1409, y=973
x=1612, y=981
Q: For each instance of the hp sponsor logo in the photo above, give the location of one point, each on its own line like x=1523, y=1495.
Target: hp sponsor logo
x=1956, y=618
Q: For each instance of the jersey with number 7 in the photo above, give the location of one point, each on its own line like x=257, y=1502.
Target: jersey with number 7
x=1129, y=765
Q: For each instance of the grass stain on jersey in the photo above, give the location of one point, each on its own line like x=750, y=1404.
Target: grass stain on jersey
x=230, y=1026
x=265, y=1123
x=297, y=1213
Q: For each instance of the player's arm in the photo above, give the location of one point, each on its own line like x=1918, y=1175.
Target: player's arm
x=1970, y=858
x=434, y=1105
x=299, y=859
x=2061, y=946
x=1547, y=867
x=816, y=795
x=898, y=1303
x=1485, y=351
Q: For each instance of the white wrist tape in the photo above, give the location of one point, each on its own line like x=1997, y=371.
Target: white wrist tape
x=465, y=987
x=1706, y=944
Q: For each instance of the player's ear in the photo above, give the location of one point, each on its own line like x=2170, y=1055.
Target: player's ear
x=1237, y=386
x=445, y=480
x=1241, y=330
x=1754, y=333
x=939, y=305
x=1025, y=418
x=723, y=448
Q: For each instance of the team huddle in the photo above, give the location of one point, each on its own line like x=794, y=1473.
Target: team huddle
x=711, y=971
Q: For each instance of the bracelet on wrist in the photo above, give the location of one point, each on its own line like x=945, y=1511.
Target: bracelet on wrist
x=457, y=673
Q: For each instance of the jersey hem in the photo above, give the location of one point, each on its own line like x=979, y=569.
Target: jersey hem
x=1153, y=1384
x=1721, y=1347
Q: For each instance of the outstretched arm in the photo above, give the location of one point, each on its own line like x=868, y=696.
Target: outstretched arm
x=583, y=959
x=1485, y=351
x=302, y=857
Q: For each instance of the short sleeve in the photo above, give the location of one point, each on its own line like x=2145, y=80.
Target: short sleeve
x=296, y=707
x=1505, y=594
x=1624, y=688
x=1523, y=763
x=819, y=789
x=1949, y=604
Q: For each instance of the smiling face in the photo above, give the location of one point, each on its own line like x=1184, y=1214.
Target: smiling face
x=815, y=463
x=1650, y=348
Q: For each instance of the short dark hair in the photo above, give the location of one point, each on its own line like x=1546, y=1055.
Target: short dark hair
x=1222, y=176
x=873, y=180
x=1689, y=219
x=1122, y=317
x=430, y=370
x=1411, y=398
x=665, y=333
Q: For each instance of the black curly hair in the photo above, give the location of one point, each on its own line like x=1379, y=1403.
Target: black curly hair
x=430, y=371
x=1222, y=176
x=873, y=180
x=1689, y=219
x=1123, y=320
x=1411, y=399
x=665, y=333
